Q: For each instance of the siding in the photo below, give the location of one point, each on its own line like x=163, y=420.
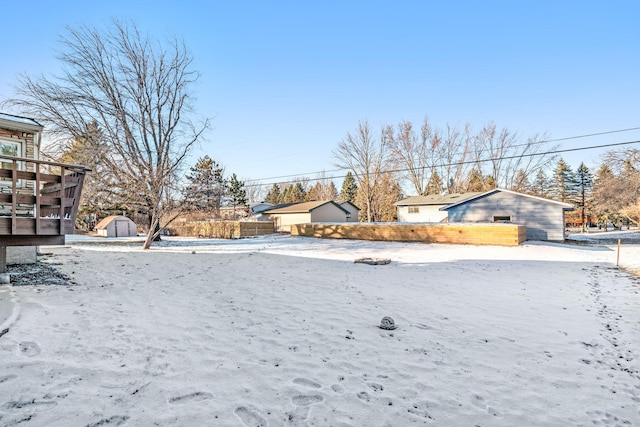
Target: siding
x=328, y=213
x=544, y=220
x=283, y=222
x=428, y=213
x=352, y=210
x=26, y=254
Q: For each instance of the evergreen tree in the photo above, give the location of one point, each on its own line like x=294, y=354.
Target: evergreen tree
x=237, y=194
x=583, y=182
x=521, y=182
x=207, y=186
x=331, y=192
x=274, y=196
x=294, y=193
x=475, y=181
x=540, y=185
x=349, y=189
x=562, y=183
x=434, y=186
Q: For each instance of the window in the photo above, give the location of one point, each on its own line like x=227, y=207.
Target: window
x=9, y=148
x=504, y=219
x=414, y=209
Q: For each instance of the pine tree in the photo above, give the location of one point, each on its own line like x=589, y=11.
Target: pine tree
x=562, y=183
x=434, y=186
x=475, y=181
x=540, y=185
x=294, y=193
x=349, y=189
x=237, y=194
x=274, y=196
x=207, y=185
x=583, y=182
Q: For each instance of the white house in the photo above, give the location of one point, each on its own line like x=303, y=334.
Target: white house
x=428, y=208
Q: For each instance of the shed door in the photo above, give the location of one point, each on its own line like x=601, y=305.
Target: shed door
x=122, y=228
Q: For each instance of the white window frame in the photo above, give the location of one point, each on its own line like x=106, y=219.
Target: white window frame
x=413, y=209
x=19, y=153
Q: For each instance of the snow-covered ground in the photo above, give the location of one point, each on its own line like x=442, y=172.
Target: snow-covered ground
x=283, y=330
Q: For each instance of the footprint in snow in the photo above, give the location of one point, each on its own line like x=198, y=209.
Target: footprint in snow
x=192, y=397
x=307, y=400
x=29, y=349
x=306, y=383
x=250, y=417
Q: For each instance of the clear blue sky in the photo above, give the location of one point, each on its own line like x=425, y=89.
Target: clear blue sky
x=284, y=81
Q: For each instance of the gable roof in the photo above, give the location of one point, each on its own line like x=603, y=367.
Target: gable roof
x=304, y=207
x=436, y=199
x=565, y=206
x=348, y=202
x=108, y=220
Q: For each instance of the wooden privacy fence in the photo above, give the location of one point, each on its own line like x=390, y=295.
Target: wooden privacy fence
x=222, y=229
x=471, y=234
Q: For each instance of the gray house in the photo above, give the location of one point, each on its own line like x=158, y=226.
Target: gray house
x=283, y=216
x=543, y=218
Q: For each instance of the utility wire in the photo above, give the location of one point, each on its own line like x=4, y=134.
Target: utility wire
x=544, y=153
x=513, y=146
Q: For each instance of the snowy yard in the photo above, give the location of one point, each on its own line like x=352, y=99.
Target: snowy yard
x=284, y=330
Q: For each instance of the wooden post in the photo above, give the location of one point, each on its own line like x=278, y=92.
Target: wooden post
x=618, y=259
x=3, y=259
x=5, y=279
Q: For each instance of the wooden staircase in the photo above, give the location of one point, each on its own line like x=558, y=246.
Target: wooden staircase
x=38, y=202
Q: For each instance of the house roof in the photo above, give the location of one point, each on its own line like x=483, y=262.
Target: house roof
x=348, y=202
x=436, y=199
x=9, y=121
x=304, y=207
x=565, y=206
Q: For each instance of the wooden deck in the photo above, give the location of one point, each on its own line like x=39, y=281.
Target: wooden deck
x=38, y=202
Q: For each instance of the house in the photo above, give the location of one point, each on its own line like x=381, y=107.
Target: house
x=354, y=211
x=19, y=137
x=283, y=216
x=116, y=226
x=428, y=208
x=543, y=218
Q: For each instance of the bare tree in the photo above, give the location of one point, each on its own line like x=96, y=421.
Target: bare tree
x=412, y=153
x=137, y=90
x=453, y=150
x=621, y=192
x=255, y=191
x=365, y=156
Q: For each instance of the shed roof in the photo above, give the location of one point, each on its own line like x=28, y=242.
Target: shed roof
x=565, y=206
x=436, y=199
x=106, y=221
x=304, y=207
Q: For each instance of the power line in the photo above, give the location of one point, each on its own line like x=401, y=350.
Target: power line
x=513, y=146
x=545, y=153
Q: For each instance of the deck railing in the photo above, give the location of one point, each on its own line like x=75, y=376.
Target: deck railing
x=38, y=201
